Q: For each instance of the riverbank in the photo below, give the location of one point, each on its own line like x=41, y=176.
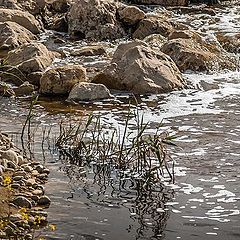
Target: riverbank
x=22, y=191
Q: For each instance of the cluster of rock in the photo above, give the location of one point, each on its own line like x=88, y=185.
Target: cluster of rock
x=27, y=192
x=152, y=65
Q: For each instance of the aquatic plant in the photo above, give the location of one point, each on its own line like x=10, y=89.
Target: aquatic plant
x=141, y=153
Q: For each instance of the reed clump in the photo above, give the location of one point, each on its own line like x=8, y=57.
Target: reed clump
x=140, y=153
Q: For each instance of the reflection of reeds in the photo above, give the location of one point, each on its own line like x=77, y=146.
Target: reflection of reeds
x=144, y=154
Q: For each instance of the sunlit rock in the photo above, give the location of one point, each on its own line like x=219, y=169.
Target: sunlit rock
x=139, y=69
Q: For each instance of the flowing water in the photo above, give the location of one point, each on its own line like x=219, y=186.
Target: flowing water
x=204, y=201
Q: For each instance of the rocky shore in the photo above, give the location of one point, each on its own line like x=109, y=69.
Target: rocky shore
x=159, y=47
x=22, y=193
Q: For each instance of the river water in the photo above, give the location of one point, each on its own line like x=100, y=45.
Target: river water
x=203, y=202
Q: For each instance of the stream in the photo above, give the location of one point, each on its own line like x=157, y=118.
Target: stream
x=204, y=200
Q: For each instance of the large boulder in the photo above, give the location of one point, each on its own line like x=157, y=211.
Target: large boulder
x=12, y=35
x=94, y=20
x=60, y=80
x=190, y=54
x=25, y=60
x=23, y=18
x=141, y=70
x=162, y=2
x=152, y=25
x=88, y=92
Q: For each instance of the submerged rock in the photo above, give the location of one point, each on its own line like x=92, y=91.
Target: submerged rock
x=60, y=80
x=141, y=70
x=94, y=20
x=23, y=18
x=88, y=92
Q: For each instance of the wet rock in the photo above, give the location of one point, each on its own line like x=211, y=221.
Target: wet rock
x=162, y=2
x=24, y=90
x=22, y=18
x=60, y=80
x=89, y=92
x=131, y=15
x=13, y=35
x=44, y=200
x=89, y=51
x=196, y=56
x=22, y=202
x=29, y=58
x=152, y=25
x=15, y=217
x=95, y=20
x=40, y=168
x=229, y=41
x=141, y=70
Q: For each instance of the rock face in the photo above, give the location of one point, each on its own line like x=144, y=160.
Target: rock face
x=131, y=15
x=189, y=54
x=162, y=2
x=60, y=80
x=12, y=35
x=94, y=20
x=88, y=92
x=140, y=70
x=23, y=18
x=27, y=59
x=152, y=25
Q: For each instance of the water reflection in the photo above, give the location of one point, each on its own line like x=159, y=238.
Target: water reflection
x=105, y=186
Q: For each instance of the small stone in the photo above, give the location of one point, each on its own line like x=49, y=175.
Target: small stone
x=42, y=176
x=37, y=192
x=15, y=217
x=15, y=185
x=30, y=182
x=35, y=173
x=39, y=168
x=28, y=169
x=22, y=202
x=46, y=170
x=35, y=198
x=12, y=165
x=20, y=173
x=44, y=200
x=17, y=178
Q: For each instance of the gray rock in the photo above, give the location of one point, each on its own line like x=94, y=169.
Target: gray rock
x=89, y=92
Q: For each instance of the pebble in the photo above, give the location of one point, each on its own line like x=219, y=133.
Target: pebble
x=21, y=201
x=44, y=200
